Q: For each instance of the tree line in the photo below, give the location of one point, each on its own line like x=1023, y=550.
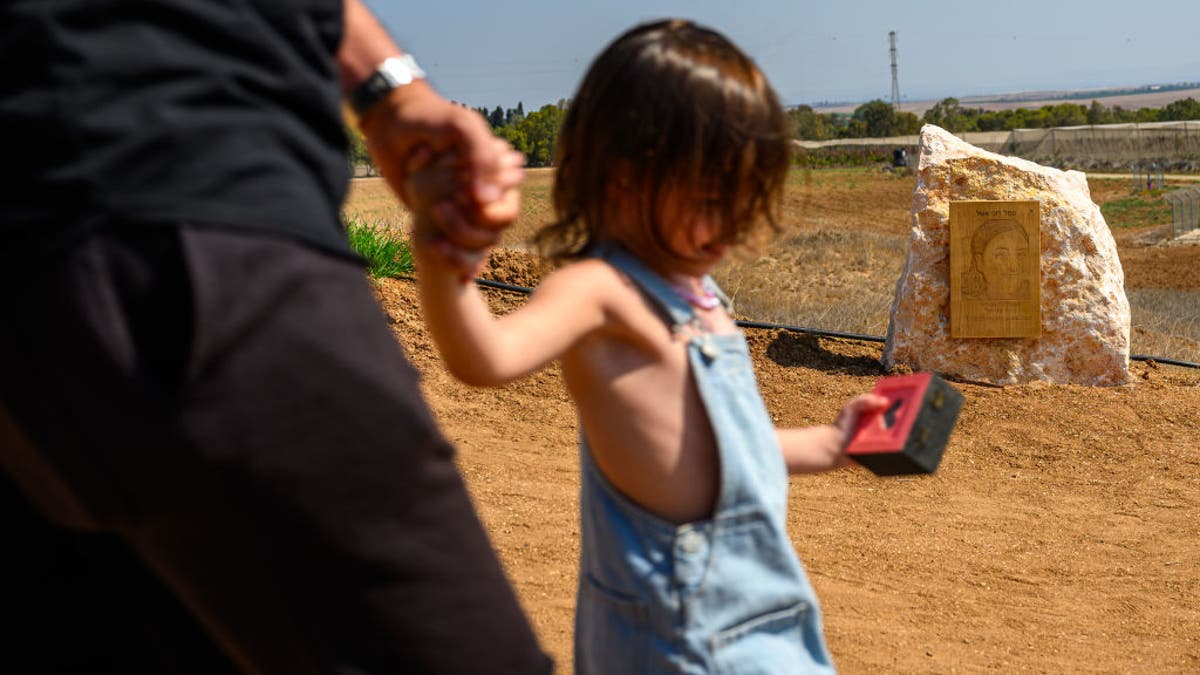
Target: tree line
x=535, y=134
x=878, y=118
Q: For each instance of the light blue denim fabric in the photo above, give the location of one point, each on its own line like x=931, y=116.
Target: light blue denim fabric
x=725, y=595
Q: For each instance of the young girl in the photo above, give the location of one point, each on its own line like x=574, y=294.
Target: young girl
x=674, y=149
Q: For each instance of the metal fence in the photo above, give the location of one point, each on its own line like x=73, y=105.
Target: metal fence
x=1185, y=210
x=1167, y=143
x=1163, y=141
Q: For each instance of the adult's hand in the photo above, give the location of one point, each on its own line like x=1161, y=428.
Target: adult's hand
x=431, y=187
x=415, y=116
x=415, y=123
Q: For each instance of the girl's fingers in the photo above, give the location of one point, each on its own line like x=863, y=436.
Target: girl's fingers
x=869, y=402
x=856, y=407
x=460, y=231
x=431, y=184
x=418, y=160
x=502, y=212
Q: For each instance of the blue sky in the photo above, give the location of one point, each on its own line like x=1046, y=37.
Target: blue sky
x=535, y=51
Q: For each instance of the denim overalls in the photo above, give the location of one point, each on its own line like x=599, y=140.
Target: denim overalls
x=725, y=595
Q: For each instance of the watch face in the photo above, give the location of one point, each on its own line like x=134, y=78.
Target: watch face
x=396, y=71
x=400, y=70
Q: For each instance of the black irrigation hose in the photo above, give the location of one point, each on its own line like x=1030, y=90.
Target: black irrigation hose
x=504, y=287
x=828, y=333
x=1169, y=362
x=811, y=331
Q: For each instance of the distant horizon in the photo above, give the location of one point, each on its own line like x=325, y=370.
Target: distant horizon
x=1031, y=98
x=1127, y=96
x=1026, y=98
x=1064, y=93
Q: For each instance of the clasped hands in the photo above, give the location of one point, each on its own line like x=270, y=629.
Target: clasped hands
x=460, y=181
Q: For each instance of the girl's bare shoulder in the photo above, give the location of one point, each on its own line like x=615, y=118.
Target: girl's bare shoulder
x=629, y=315
x=591, y=278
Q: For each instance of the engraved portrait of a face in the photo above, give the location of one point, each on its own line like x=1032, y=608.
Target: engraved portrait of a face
x=999, y=259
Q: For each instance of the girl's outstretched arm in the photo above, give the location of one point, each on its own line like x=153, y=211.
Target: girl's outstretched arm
x=821, y=448
x=483, y=350
x=478, y=348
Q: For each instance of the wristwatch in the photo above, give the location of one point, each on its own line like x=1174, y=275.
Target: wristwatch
x=395, y=71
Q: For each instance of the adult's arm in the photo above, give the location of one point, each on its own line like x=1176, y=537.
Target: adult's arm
x=413, y=116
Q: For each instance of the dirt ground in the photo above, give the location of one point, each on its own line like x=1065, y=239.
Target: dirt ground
x=1059, y=535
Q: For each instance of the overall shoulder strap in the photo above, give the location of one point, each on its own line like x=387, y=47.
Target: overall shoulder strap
x=674, y=308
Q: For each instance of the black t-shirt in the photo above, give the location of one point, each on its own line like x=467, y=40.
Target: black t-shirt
x=221, y=112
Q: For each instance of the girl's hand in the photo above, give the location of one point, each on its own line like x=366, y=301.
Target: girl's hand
x=446, y=219
x=848, y=418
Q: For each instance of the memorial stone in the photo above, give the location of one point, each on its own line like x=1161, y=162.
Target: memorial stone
x=1079, y=331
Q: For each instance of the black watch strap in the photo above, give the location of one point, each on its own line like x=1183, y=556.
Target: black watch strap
x=396, y=71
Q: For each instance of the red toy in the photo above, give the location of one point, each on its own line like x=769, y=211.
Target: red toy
x=910, y=434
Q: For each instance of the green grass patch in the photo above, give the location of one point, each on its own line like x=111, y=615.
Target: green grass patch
x=1140, y=208
x=385, y=250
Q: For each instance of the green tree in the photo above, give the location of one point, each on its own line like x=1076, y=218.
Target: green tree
x=1066, y=115
x=1098, y=114
x=1026, y=118
x=992, y=120
x=907, y=124
x=878, y=116
x=1185, y=109
x=951, y=116
x=541, y=134
x=854, y=128
x=496, y=118
x=513, y=116
x=809, y=124
x=1146, y=115
x=838, y=124
x=516, y=137
x=1120, y=115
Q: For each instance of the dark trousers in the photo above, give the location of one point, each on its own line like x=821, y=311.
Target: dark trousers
x=228, y=417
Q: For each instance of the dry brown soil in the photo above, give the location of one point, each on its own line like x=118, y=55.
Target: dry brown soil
x=1059, y=535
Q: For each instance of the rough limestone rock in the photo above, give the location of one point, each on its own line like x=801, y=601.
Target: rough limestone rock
x=1085, y=314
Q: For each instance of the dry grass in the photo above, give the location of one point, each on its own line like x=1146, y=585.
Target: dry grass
x=1166, y=323
x=840, y=280
x=371, y=201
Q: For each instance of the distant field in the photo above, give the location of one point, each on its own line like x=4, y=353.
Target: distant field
x=1156, y=99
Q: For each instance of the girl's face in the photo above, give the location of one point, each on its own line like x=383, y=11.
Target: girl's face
x=692, y=226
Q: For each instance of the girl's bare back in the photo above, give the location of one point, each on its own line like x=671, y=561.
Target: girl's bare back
x=638, y=404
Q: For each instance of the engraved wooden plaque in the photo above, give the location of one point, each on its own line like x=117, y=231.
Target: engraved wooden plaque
x=995, y=280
